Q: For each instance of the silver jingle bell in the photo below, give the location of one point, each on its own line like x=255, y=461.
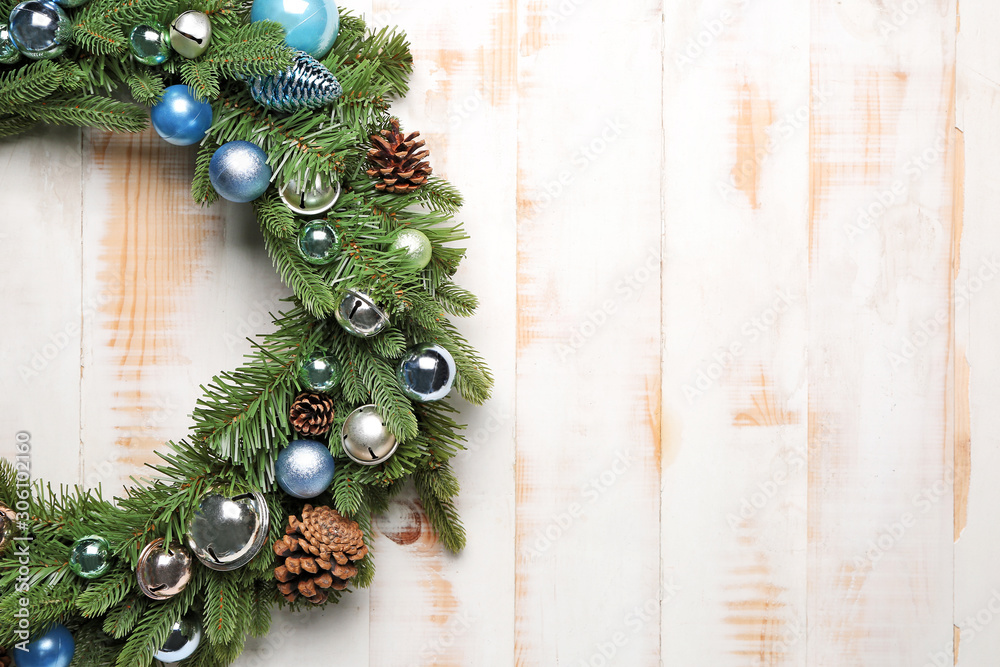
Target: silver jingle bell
x=190, y=33
x=182, y=641
x=359, y=315
x=317, y=196
x=163, y=573
x=226, y=533
x=365, y=438
x=8, y=524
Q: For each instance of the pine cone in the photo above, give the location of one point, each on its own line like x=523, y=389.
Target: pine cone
x=311, y=414
x=397, y=160
x=319, y=552
x=5, y=659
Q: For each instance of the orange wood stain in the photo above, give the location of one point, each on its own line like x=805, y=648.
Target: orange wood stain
x=764, y=407
x=962, y=414
x=754, y=115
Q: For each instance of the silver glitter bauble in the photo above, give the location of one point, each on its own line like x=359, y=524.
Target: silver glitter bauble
x=226, y=533
x=182, y=641
x=190, y=34
x=315, y=195
x=8, y=50
x=307, y=84
x=426, y=372
x=365, y=438
x=163, y=573
x=359, y=315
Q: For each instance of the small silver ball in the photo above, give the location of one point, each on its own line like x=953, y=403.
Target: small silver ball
x=191, y=33
x=365, y=438
x=163, y=573
x=182, y=641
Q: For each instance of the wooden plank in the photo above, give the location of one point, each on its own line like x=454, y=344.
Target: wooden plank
x=977, y=324
x=428, y=607
x=588, y=336
x=880, y=504
x=736, y=104
x=43, y=311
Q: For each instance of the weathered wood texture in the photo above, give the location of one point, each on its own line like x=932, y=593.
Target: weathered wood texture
x=737, y=262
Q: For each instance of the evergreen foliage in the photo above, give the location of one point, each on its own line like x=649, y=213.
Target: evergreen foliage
x=240, y=423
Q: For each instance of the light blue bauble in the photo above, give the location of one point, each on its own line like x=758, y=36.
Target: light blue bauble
x=53, y=649
x=304, y=468
x=179, y=118
x=40, y=29
x=239, y=171
x=310, y=25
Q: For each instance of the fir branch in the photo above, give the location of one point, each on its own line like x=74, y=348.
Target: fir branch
x=28, y=84
x=147, y=87
x=202, y=77
x=275, y=217
x=89, y=111
x=436, y=492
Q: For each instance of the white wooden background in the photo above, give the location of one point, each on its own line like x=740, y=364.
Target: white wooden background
x=738, y=266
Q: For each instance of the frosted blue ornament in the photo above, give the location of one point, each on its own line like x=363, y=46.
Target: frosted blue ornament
x=179, y=118
x=304, y=468
x=239, y=171
x=40, y=29
x=53, y=649
x=310, y=25
x=8, y=51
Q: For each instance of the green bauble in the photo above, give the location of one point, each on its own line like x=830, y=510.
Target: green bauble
x=150, y=43
x=416, y=248
x=318, y=242
x=319, y=372
x=8, y=51
x=90, y=557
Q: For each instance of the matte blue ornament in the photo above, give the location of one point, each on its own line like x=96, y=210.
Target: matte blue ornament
x=40, y=29
x=53, y=649
x=239, y=171
x=307, y=84
x=304, y=468
x=179, y=118
x=310, y=25
x=8, y=51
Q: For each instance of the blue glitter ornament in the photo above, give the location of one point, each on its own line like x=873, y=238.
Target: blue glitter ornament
x=53, y=649
x=239, y=171
x=310, y=25
x=307, y=84
x=426, y=373
x=179, y=118
x=40, y=29
x=304, y=468
x=8, y=50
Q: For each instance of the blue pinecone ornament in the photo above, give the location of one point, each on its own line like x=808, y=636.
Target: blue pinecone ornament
x=307, y=84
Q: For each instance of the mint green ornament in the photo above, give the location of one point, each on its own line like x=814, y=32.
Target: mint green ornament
x=90, y=557
x=416, y=248
x=319, y=372
x=318, y=242
x=150, y=43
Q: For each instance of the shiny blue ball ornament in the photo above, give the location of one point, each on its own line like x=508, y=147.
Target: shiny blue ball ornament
x=304, y=468
x=427, y=372
x=239, y=171
x=179, y=118
x=310, y=25
x=53, y=649
x=40, y=29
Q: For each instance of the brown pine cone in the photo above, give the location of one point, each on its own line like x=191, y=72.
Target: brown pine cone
x=311, y=414
x=319, y=552
x=398, y=160
x=5, y=659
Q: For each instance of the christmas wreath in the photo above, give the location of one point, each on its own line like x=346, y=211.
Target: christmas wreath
x=269, y=501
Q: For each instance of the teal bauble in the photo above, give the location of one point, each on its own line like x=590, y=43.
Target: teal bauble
x=318, y=242
x=8, y=50
x=40, y=29
x=150, y=43
x=416, y=249
x=310, y=25
x=319, y=372
x=90, y=557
